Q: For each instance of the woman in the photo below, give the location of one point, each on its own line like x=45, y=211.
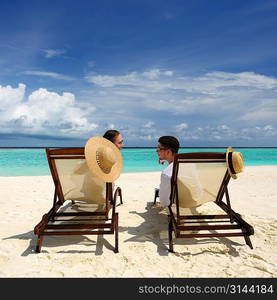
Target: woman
x=115, y=137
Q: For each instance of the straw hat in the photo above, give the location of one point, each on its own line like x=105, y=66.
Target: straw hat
x=103, y=158
x=235, y=163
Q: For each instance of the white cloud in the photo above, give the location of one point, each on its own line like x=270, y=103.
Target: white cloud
x=147, y=78
x=45, y=113
x=234, y=100
x=156, y=73
x=110, y=81
x=215, y=80
x=181, y=127
x=48, y=74
x=11, y=96
x=215, y=106
x=49, y=53
x=149, y=124
x=268, y=128
x=264, y=110
x=212, y=83
x=228, y=133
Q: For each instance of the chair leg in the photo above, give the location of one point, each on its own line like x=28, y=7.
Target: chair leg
x=116, y=233
x=170, y=229
x=248, y=241
x=39, y=243
x=229, y=205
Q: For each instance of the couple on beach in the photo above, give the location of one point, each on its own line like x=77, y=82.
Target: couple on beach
x=167, y=147
x=80, y=173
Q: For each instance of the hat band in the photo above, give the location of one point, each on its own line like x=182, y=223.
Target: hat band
x=105, y=170
x=231, y=163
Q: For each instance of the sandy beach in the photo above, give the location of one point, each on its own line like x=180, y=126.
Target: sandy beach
x=143, y=239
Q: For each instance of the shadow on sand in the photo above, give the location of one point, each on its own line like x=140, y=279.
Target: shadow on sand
x=64, y=240
x=154, y=228
x=58, y=241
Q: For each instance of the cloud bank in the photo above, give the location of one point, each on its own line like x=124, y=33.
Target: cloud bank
x=43, y=113
x=215, y=107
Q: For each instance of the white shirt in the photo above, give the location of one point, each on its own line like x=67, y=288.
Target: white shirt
x=192, y=182
x=165, y=185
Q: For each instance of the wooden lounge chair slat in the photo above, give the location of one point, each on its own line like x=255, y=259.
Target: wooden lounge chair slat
x=205, y=217
x=85, y=232
x=204, y=222
x=78, y=226
x=79, y=220
x=72, y=214
x=208, y=227
x=202, y=235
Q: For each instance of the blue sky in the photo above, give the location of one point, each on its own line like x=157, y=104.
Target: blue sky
x=203, y=71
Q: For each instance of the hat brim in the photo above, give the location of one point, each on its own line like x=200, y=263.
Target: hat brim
x=233, y=175
x=91, y=148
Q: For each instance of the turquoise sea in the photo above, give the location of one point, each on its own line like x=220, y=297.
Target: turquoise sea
x=33, y=162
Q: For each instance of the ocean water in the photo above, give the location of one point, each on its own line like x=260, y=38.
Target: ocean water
x=33, y=162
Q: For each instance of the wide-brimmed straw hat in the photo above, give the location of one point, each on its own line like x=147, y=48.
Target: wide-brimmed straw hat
x=235, y=163
x=103, y=158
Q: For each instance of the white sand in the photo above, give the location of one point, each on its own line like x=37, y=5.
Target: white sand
x=143, y=236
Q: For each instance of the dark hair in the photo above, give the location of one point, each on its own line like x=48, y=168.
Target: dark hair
x=170, y=142
x=111, y=135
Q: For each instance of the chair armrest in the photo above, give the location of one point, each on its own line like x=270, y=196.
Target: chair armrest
x=117, y=192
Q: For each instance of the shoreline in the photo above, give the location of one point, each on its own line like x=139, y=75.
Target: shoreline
x=140, y=172
x=143, y=238
x=152, y=147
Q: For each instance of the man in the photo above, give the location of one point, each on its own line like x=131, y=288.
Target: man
x=168, y=146
x=115, y=137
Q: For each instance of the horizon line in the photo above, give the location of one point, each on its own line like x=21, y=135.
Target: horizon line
x=145, y=147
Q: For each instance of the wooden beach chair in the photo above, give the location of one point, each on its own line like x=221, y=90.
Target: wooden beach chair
x=212, y=178
x=91, y=209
